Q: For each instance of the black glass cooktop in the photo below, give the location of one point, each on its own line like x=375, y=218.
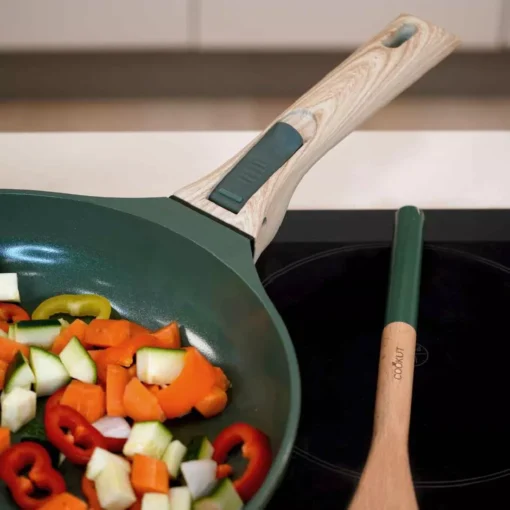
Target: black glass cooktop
x=327, y=272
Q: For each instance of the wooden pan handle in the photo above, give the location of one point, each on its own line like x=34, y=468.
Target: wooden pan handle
x=365, y=82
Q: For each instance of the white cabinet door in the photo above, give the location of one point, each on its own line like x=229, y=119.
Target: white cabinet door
x=506, y=23
x=333, y=24
x=93, y=24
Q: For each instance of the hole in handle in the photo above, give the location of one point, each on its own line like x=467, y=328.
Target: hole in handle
x=402, y=35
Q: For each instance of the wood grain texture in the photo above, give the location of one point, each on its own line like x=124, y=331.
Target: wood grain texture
x=365, y=82
x=386, y=482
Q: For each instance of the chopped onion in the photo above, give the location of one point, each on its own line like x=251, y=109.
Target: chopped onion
x=113, y=426
x=3, y=333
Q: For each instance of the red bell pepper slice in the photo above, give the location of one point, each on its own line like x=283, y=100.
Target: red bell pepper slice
x=223, y=471
x=55, y=399
x=256, y=449
x=12, y=313
x=41, y=474
x=81, y=438
x=115, y=444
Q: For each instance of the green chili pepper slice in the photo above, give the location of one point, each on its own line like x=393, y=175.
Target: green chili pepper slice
x=77, y=305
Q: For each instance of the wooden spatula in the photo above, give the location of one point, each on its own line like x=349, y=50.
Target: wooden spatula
x=386, y=482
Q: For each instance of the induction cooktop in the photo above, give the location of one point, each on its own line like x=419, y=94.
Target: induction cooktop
x=326, y=272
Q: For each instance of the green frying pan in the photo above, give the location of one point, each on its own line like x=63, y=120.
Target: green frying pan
x=190, y=257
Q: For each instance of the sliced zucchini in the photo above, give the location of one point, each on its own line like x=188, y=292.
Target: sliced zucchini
x=200, y=477
x=155, y=501
x=12, y=331
x=199, y=448
x=173, y=457
x=19, y=374
x=50, y=374
x=103, y=459
x=149, y=438
x=39, y=333
x=159, y=366
x=9, y=287
x=114, y=489
x=180, y=498
x=224, y=497
x=18, y=408
x=78, y=362
x=3, y=334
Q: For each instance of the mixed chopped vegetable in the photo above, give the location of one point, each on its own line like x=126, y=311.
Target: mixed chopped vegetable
x=99, y=395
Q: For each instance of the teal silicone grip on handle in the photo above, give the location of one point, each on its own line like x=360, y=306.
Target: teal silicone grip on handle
x=405, y=271
x=271, y=152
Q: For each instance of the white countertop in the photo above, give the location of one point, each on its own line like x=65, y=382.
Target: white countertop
x=368, y=170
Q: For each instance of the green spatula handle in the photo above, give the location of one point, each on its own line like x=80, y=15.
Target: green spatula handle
x=386, y=481
x=251, y=191
x=396, y=365
x=404, y=286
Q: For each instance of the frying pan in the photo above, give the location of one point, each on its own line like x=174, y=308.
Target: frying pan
x=190, y=257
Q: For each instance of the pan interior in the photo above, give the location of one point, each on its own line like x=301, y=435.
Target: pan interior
x=153, y=276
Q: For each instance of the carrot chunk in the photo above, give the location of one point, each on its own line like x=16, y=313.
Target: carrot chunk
x=5, y=439
x=169, y=335
x=107, y=332
x=3, y=370
x=213, y=403
x=117, y=378
x=135, y=329
x=153, y=388
x=149, y=475
x=88, y=487
x=222, y=381
x=88, y=399
x=77, y=328
x=64, y=501
x=140, y=404
x=94, y=354
x=9, y=348
x=194, y=383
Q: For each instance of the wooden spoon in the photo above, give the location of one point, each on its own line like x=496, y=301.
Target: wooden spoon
x=386, y=482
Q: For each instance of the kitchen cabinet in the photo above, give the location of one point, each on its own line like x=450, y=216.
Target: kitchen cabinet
x=236, y=25
x=334, y=24
x=93, y=24
x=506, y=23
